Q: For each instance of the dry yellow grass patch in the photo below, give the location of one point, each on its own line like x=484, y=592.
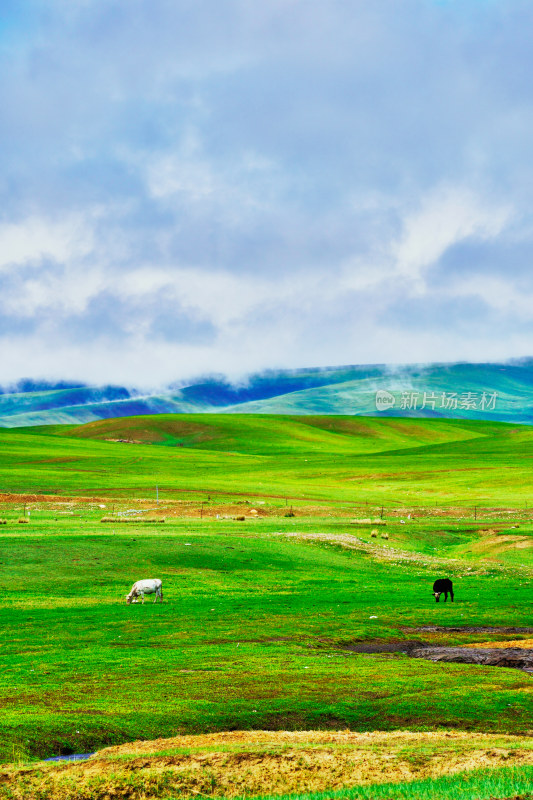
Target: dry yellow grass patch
x=525, y=644
x=261, y=762
x=494, y=545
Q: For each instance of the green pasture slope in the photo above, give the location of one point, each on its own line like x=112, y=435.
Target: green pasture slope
x=322, y=460
x=258, y=615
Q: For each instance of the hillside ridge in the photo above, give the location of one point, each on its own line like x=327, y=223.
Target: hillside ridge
x=498, y=392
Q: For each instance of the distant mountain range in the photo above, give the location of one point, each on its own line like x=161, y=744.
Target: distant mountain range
x=458, y=391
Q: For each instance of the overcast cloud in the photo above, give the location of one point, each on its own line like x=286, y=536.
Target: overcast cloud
x=194, y=186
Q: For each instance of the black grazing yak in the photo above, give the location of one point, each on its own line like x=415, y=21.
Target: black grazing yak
x=443, y=586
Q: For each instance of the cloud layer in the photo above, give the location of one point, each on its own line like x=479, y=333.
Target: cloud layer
x=227, y=186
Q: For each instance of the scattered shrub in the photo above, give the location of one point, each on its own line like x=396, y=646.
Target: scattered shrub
x=240, y=519
x=384, y=535
x=374, y=534
x=3, y=521
x=23, y=520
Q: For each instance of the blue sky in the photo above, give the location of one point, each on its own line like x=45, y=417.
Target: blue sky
x=194, y=186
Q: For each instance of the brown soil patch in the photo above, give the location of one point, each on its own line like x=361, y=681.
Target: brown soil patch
x=58, y=499
x=301, y=506
x=512, y=657
x=261, y=762
x=389, y=646
x=516, y=655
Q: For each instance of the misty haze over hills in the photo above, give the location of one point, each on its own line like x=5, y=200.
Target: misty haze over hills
x=458, y=391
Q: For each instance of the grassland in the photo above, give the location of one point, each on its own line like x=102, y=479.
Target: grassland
x=259, y=615
x=329, y=461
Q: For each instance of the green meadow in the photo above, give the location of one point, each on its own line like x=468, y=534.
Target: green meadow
x=322, y=460
x=259, y=614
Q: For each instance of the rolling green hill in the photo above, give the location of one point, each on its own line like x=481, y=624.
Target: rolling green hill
x=262, y=434
x=317, y=459
x=454, y=391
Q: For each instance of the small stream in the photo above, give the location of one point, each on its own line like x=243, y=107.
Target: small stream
x=71, y=757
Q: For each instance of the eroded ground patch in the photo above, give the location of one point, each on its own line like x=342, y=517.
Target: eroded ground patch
x=262, y=762
x=516, y=654
x=514, y=657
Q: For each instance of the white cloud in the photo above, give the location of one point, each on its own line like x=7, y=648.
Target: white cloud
x=36, y=238
x=203, y=186
x=504, y=296
x=447, y=215
x=63, y=292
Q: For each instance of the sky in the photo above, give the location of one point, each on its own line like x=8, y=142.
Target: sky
x=224, y=186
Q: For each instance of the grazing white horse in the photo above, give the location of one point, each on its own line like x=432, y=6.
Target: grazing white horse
x=140, y=588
